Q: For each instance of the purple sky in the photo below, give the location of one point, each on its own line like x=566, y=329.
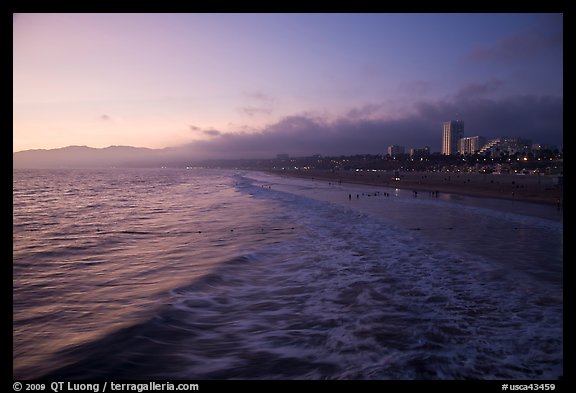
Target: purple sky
x=228, y=85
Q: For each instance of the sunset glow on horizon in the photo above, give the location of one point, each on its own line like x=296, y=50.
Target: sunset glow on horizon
x=160, y=80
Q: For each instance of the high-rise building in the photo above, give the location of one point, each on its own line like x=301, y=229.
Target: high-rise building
x=423, y=152
x=471, y=144
x=395, y=150
x=452, y=132
x=506, y=145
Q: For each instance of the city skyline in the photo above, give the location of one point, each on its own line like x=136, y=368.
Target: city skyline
x=252, y=85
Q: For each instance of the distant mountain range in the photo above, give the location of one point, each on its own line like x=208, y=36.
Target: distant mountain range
x=89, y=157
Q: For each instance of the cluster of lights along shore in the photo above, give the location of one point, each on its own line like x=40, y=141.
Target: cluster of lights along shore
x=459, y=154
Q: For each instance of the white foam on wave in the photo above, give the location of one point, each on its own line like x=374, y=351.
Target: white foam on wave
x=513, y=233
x=351, y=296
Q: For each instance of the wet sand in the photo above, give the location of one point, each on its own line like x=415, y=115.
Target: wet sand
x=529, y=188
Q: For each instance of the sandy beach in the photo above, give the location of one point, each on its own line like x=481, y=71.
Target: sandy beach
x=530, y=188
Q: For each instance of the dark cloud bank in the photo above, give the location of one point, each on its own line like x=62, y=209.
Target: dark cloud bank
x=542, y=39
x=535, y=118
x=358, y=132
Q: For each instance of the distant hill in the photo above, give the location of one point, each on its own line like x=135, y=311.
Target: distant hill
x=88, y=157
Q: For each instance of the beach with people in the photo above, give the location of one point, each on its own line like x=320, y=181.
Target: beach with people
x=529, y=188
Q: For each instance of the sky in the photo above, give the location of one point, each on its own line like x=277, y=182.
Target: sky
x=254, y=85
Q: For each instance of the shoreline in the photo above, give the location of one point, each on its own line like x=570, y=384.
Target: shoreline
x=526, y=188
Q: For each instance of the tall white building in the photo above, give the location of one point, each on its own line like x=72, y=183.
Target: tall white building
x=471, y=144
x=394, y=150
x=425, y=151
x=452, y=132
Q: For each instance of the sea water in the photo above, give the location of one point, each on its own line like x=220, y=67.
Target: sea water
x=214, y=274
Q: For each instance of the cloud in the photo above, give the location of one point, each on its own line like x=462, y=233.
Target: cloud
x=522, y=45
x=212, y=132
x=253, y=110
x=475, y=90
x=365, y=111
x=105, y=118
x=258, y=96
x=539, y=118
x=259, y=103
x=360, y=132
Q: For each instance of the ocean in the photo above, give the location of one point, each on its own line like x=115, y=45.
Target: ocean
x=224, y=274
